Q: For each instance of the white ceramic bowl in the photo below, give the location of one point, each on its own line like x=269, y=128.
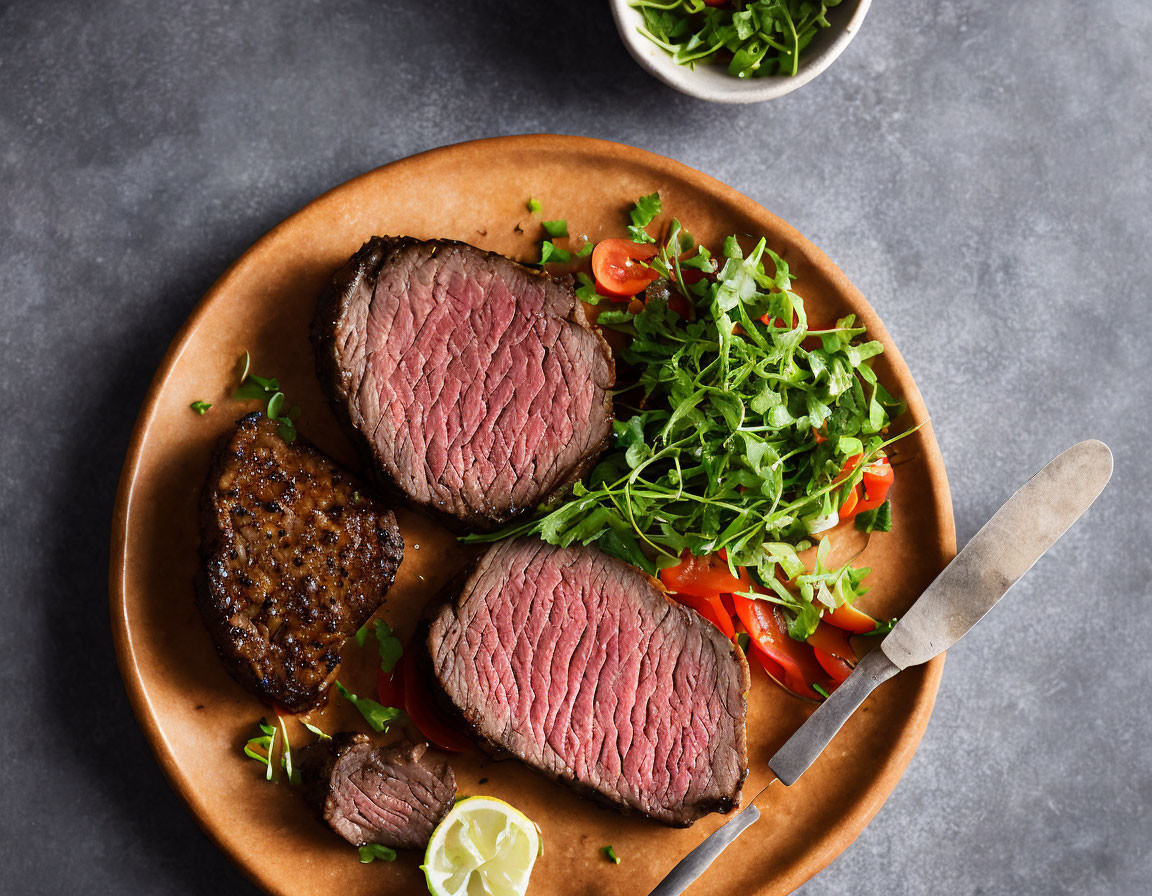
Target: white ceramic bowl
x=712, y=82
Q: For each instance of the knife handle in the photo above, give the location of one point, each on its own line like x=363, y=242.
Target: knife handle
x=696, y=862
x=802, y=748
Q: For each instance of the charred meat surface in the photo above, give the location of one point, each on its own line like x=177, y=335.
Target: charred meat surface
x=475, y=386
x=580, y=666
x=394, y=796
x=296, y=557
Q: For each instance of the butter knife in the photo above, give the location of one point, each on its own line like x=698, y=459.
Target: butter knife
x=995, y=559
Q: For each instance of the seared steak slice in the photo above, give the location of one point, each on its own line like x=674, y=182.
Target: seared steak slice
x=474, y=385
x=394, y=795
x=296, y=557
x=580, y=666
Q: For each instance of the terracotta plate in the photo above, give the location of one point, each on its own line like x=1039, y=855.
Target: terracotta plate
x=197, y=719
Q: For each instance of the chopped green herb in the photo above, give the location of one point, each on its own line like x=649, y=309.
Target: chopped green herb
x=642, y=214
x=265, y=741
x=534, y=206
x=555, y=229
x=388, y=644
x=374, y=851
x=743, y=640
x=552, y=254
x=585, y=250
x=610, y=854
x=200, y=407
x=362, y=634
x=882, y=628
x=819, y=690
x=877, y=520
x=586, y=289
x=250, y=390
x=378, y=716
x=254, y=387
x=262, y=748
x=290, y=770
x=320, y=734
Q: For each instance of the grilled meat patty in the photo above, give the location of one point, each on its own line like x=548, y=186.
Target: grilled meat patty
x=580, y=666
x=394, y=796
x=475, y=386
x=295, y=558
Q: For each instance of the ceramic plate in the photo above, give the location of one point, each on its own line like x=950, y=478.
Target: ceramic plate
x=197, y=719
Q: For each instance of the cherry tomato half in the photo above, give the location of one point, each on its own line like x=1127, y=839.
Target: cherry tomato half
x=712, y=609
x=768, y=632
x=703, y=576
x=876, y=482
x=617, y=265
x=851, y=620
x=418, y=704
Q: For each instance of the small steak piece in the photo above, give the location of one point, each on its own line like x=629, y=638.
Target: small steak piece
x=580, y=666
x=296, y=557
x=394, y=796
x=475, y=386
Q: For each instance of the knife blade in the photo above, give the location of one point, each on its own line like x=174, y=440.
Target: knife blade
x=996, y=557
x=1003, y=550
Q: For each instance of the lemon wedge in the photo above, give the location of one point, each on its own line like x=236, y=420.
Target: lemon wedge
x=483, y=847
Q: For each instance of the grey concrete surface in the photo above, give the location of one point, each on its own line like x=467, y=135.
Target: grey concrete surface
x=980, y=170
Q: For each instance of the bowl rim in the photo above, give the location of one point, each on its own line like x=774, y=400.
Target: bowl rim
x=700, y=83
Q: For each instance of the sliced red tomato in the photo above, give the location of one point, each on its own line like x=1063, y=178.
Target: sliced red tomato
x=771, y=668
x=712, y=609
x=703, y=576
x=619, y=269
x=768, y=632
x=418, y=705
x=876, y=482
x=850, y=619
x=836, y=668
x=850, y=507
x=833, y=651
x=390, y=687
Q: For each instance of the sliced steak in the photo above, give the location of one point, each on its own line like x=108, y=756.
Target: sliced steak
x=474, y=385
x=394, y=796
x=580, y=666
x=296, y=557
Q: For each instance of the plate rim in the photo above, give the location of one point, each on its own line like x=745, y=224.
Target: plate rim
x=838, y=836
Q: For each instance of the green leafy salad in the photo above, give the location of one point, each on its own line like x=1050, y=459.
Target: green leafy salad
x=741, y=427
x=753, y=38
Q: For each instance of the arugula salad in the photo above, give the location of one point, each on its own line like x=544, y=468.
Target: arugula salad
x=748, y=437
x=753, y=38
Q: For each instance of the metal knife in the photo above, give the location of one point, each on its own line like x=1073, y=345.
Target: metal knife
x=992, y=562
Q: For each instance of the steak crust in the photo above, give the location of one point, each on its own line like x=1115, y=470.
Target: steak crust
x=394, y=796
x=580, y=666
x=295, y=558
x=474, y=386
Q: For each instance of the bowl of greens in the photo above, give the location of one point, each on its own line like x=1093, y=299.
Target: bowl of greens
x=737, y=51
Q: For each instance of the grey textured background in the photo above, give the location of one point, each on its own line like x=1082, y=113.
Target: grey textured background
x=980, y=170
